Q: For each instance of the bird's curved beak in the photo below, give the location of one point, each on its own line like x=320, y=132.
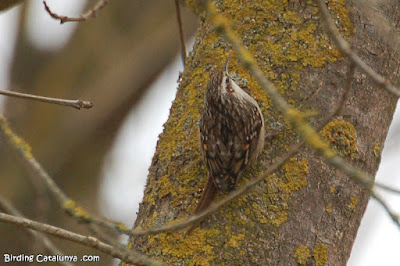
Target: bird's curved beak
x=226, y=63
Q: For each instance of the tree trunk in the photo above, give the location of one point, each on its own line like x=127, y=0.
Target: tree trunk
x=307, y=212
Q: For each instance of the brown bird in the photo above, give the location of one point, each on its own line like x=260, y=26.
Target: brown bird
x=231, y=134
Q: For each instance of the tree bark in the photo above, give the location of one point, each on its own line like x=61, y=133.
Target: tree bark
x=307, y=212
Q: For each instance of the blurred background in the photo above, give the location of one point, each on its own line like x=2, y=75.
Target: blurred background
x=127, y=62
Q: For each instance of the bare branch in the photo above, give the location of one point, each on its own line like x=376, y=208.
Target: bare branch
x=349, y=84
x=345, y=48
x=24, y=152
x=9, y=208
x=125, y=255
x=91, y=13
x=181, y=37
x=387, y=188
x=105, y=238
x=395, y=217
x=78, y=104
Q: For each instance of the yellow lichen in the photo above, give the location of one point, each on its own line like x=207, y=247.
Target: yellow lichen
x=302, y=254
x=122, y=227
x=14, y=140
x=377, y=150
x=275, y=213
x=296, y=118
x=296, y=173
x=236, y=241
x=77, y=211
x=341, y=17
x=196, y=247
x=291, y=17
x=272, y=207
x=342, y=137
x=353, y=203
x=328, y=207
x=320, y=254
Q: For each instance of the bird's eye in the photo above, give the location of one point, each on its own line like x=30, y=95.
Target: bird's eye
x=227, y=80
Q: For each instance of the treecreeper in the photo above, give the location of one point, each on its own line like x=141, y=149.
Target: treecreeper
x=231, y=134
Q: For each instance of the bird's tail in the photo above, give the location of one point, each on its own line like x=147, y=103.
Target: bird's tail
x=207, y=197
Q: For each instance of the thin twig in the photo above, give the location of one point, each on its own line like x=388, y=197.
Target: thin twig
x=387, y=188
x=103, y=237
x=71, y=208
x=125, y=255
x=349, y=84
x=40, y=205
x=181, y=37
x=91, y=13
x=78, y=104
x=345, y=48
x=9, y=208
x=395, y=218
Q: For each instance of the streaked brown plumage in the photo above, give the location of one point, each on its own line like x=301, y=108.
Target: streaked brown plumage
x=231, y=133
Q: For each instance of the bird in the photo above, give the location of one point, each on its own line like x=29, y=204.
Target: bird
x=231, y=134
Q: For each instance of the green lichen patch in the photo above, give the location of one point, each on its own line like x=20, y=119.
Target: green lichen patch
x=342, y=137
x=302, y=254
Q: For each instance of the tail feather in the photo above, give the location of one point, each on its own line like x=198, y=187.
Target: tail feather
x=207, y=197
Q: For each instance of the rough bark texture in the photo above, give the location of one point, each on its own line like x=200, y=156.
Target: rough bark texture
x=308, y=212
